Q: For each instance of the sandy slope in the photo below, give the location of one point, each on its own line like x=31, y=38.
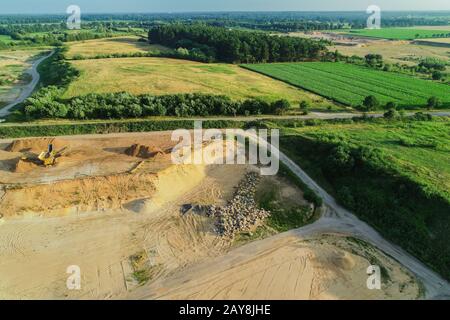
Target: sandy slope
x=184, y=253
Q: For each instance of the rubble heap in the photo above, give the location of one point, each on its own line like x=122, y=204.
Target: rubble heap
x=142, y=151
x=241, y=213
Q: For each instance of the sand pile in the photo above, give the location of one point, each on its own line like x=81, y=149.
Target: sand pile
x=36, y=145
x=24, y=166
x=142, y=151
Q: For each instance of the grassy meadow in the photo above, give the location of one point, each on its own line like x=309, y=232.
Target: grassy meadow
x=161, y=76
x=119, y=45
x=418, y=149
x=350, y=84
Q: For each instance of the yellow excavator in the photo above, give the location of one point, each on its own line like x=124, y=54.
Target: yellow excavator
x=48, y=158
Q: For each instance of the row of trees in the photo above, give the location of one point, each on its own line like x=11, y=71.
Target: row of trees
x=234, y=46
x=371, y=103
x=47, y=103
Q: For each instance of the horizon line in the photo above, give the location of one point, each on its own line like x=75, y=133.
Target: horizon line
x=222, y=11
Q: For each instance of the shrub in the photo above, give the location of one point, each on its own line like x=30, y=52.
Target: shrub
x=433, y=102
x=371, y=103
x=391, y=105
x=281, y=106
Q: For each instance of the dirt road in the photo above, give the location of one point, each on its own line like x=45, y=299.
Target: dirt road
x=340, y=220
x=335, y=220
x=27, y=90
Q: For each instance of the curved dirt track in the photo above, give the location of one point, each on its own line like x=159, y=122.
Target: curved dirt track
x=340, y=220
x=27, y=90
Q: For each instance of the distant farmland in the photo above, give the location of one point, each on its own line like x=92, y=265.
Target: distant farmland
x=350, y=84
x=401, y=33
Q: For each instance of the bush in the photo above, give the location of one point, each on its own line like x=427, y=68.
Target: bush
x=437, y=75
x=433, y=103
x=304, y=107
x=391, y=105
x=391, y=114
x=281, y=106
x=371, y=103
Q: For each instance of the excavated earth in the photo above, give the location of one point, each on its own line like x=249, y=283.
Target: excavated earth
x=115, y=206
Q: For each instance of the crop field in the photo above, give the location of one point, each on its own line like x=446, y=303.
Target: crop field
x=402, y=33
x=161, y=76
x=120, y=45
x=350, y=84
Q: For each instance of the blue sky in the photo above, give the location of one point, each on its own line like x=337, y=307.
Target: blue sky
x=58, y=6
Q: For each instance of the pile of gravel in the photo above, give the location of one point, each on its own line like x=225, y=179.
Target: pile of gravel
x=241, y=213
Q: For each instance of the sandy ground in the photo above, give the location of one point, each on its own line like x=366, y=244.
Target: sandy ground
x=124, y=228
x=329, y=267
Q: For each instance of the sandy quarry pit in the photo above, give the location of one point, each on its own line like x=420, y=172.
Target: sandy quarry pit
x=111, y=206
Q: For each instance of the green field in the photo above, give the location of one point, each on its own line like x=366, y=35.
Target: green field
x=350, y=84
x=6, y=39
x=393, y=175
x=401, y=33
x=418, y=150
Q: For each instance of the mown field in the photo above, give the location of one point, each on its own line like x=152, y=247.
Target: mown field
x=402, y=33
x=160, y=76
x=350, y=84
x=119, y=45
x=394, y=175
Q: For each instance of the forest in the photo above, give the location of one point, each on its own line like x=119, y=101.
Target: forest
x=234, y=46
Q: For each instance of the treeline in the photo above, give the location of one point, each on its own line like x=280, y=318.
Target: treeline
x=56, y=71
x=273, y=21
x=57, y=34
x=234, y=46
x=47, y=103
x=366, y=182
